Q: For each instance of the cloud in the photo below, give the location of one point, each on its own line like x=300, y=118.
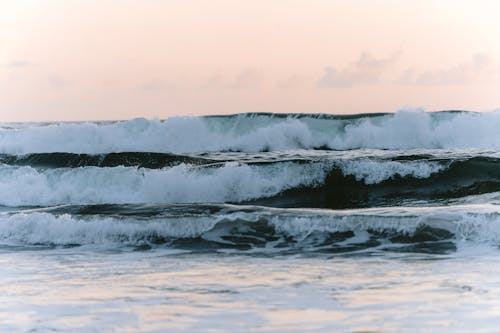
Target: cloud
x=18, y=64
x=365, y=70
x=480, y=68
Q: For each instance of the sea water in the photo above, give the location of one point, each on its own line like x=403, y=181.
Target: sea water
x=252, y=222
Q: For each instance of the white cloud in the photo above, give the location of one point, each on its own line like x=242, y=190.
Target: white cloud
x=480, y=68
x=17, y=64
x=366, y=70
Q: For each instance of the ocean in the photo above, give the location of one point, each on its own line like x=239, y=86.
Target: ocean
x=252, y=223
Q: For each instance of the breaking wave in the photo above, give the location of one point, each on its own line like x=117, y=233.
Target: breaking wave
x=304, y=183
x=259, y=132
x=408, y=181
x=249, y=228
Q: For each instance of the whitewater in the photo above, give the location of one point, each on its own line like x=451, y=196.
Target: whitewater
x=256, y=132
x=252, y=222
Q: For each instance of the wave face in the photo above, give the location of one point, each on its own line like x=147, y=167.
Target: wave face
x=253, y=229
x=409, y=181
x=322, y=183
x=259, y=132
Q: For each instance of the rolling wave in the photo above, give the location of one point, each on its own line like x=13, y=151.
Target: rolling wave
x=408, y=181
x=259, y=132
x=27, y=186
x=369, y=183
x=255, y=229
x=319, y=183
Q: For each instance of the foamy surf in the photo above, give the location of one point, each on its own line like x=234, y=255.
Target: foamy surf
x=259, y=132
x=251, y=229
x=286, y=183
x=303, y=202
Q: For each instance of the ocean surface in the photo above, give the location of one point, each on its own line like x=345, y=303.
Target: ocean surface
x=252, y=223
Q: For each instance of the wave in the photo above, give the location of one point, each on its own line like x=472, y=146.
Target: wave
x=249, y=228
x=369, y=183
x=27, y=186
x=321, y=183
x=70, y=160
x=259, y=132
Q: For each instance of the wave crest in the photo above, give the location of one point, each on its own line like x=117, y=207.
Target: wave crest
x=226, y=182
x=266, y=230
x=260, y=132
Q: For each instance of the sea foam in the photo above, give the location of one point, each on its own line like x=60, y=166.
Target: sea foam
x=259, y=132
x=465, y=223
x=229, y=182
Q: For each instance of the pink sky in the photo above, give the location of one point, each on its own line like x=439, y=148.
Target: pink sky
x=110, y=59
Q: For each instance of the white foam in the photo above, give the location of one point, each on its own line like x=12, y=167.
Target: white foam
x=417, y=129
x=231, y=182
x=402, y=130
x=26, y=186
x=466, y=222
x=373, y=171
x=480, y=223
x=44, y=228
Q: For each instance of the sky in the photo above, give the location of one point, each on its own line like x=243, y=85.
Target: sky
x=121, y=59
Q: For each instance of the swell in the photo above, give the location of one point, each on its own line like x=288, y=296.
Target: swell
x=375, y=183
x=259, y=132
x=255, y=229
x=315, y=183
x=70, y=160
x=27, y=186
